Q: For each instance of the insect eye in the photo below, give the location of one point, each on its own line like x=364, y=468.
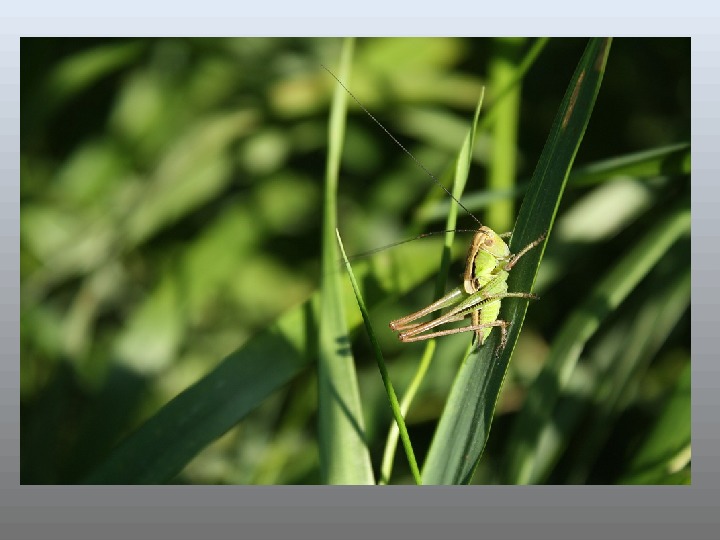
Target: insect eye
x=489, y=241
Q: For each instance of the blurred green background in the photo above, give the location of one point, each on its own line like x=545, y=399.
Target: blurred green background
x=171, y=208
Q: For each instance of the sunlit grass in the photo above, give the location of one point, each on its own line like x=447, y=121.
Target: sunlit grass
x=171, y=203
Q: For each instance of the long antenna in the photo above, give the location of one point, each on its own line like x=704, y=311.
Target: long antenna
x=400, y=242
x=401, y=145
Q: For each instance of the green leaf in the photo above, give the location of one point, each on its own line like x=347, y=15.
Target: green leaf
x=394, y=405
x=465, y=424
x=501, y=170
x=158, y=450
x=344, y=456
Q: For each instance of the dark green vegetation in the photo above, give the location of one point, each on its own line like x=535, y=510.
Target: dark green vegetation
x=171, y=224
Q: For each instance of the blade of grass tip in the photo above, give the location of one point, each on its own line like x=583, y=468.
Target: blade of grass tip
x=465, y=423
x=462, y=171
x=581, y=326
x=392, y=397
x=344, y=456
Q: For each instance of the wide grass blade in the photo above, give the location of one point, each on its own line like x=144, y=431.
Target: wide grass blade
x=465, y=424
x=157, y=451
x=344, y=456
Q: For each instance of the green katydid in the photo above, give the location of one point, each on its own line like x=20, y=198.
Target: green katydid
x=487, y=268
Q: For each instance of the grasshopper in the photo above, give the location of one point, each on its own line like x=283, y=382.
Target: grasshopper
x=487, y=268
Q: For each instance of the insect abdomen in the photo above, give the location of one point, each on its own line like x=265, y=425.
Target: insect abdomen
x=489, y=312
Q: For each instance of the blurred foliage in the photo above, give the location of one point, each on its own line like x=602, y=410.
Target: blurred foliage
x=171, y=209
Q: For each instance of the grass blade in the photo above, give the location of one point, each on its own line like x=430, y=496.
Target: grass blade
x=157, y=451
x=394, y=405
x=465, y=424
x=344, y=457
x=501, y=171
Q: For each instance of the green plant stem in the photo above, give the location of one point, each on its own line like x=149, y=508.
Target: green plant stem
x=501, y=173
x=394, y=405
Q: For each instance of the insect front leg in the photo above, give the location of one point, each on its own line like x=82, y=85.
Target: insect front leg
x=524, y=250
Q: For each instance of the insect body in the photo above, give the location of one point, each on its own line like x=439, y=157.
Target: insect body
x=487, y=268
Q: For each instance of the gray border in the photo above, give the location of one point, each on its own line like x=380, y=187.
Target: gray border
x=242, y=512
